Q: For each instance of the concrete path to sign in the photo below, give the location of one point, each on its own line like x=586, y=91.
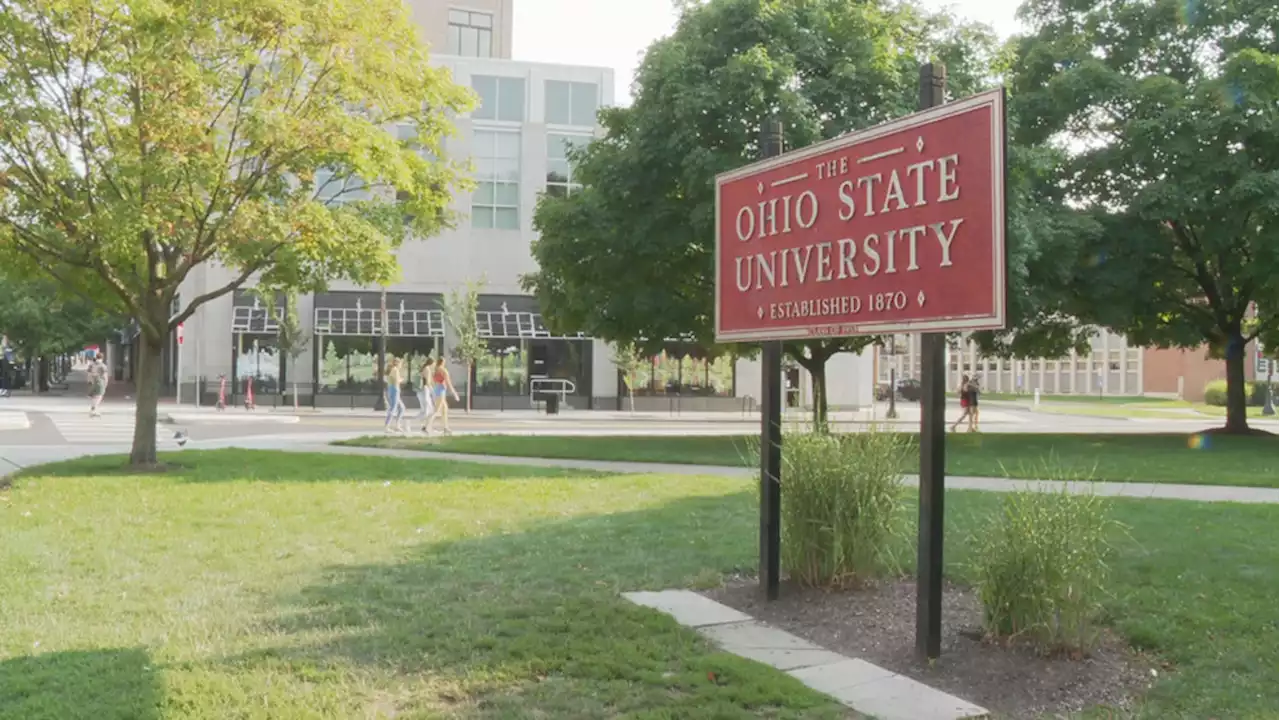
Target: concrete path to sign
x=1167, y=491
x=867, y=688
x=12, y=457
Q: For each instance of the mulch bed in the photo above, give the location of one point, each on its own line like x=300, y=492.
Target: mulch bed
x=877, y=624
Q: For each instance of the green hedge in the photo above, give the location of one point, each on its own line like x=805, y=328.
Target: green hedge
x=1215, y=393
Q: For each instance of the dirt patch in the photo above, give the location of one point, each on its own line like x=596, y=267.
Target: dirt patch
x=877, y=624
x=1250, y=432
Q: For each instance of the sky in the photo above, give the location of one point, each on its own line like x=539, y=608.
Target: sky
x=615, y=33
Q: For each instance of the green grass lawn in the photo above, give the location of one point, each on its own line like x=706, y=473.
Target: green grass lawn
x=1245, y=461
x=259, y=585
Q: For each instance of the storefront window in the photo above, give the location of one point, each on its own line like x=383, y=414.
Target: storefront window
x=349, y=365
x=504, y=368
x=258, y=357
x=684, y=369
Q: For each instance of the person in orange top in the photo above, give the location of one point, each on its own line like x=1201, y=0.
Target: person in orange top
x=440, y=383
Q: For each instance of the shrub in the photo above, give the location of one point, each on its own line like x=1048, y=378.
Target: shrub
x=1215, y=393
x=1041, y=568
x=841, y=506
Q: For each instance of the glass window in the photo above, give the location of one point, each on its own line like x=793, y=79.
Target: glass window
x=571, y=103
x=559, y=171
x=501, y=98
x=496, y=200
x=258, y=357
x=332, y=190
x=470, y=33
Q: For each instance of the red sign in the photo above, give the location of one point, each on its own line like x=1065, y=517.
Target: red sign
x=179, y=333
x=899, y=228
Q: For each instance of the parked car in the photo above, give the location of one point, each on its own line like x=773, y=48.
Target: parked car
x=908, y=390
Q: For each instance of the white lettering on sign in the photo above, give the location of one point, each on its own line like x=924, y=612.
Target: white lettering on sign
x=935, y=180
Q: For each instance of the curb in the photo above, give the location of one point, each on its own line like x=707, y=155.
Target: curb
x=210, y=418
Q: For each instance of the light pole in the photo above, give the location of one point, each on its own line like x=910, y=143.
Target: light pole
x=381, y=403
x=893, y=379
x=1268, y=408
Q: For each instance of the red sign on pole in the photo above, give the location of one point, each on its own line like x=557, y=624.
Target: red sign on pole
x=179, y=333
x=895, y=229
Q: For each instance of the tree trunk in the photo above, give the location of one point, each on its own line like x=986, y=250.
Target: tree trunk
x=471, y=384
x=818, y=374
x=631, y=395
x=816, y=366
x=45, y=372
x=1237, y=393
x=147, y=381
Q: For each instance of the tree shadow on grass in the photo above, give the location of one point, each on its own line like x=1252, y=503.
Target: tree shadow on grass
x=531, y=624
x=115, y=684
x=240, y=465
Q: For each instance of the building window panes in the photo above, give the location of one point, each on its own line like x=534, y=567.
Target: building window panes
x=496, y=201
x=572, y=103
x=560, y=180
x=333, y=190
x=470, y=33
x=501, y=98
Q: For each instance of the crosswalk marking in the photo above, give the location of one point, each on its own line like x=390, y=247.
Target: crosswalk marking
x=14, y=420
x=105, y=430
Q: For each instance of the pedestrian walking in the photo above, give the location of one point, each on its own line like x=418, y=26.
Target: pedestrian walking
x=97, y=384
x=395, y=403
x=965, y=410
x=440, y=383
x=424, y=394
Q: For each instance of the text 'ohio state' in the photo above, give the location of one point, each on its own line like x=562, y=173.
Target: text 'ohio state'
x=885, y=252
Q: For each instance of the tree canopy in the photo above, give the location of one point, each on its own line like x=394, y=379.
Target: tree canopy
x=629, y=256
x=142, y=139
x=1164, y=119
x=42, y=319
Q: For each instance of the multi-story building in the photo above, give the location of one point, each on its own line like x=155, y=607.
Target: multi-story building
x=1112, y=367
x=529, y=115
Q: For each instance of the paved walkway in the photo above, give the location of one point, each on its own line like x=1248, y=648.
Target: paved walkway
x=12, y=458
x=1171, y=491
x=867, y=688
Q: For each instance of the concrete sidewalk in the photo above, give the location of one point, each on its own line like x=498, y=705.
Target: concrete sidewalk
x=12, y=458
x=1167, y=491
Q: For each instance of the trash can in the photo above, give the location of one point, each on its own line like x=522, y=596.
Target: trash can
x=552, y=401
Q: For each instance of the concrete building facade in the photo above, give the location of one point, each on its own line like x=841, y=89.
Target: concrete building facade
x=528, y=116
x=1112, y=367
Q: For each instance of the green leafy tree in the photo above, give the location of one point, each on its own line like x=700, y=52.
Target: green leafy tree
x=631, y=254
x=292, y=336
x=143, y=139
x=460, y=307
x=41, y=320
x=1167, y=114
x=629, y=359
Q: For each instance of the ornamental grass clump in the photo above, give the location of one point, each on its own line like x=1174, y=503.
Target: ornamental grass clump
x=1041, y=568
x=841, y=506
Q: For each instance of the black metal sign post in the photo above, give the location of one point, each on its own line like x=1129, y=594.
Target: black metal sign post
x=933, y=438
x=770, y=425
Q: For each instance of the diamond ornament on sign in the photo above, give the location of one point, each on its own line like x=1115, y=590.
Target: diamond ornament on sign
x=920, y=298
x=760, y=312
x=919, y=143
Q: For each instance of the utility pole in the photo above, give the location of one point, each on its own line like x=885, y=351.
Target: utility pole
x=933, y=437
x=770, y=425
x=381, y=403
